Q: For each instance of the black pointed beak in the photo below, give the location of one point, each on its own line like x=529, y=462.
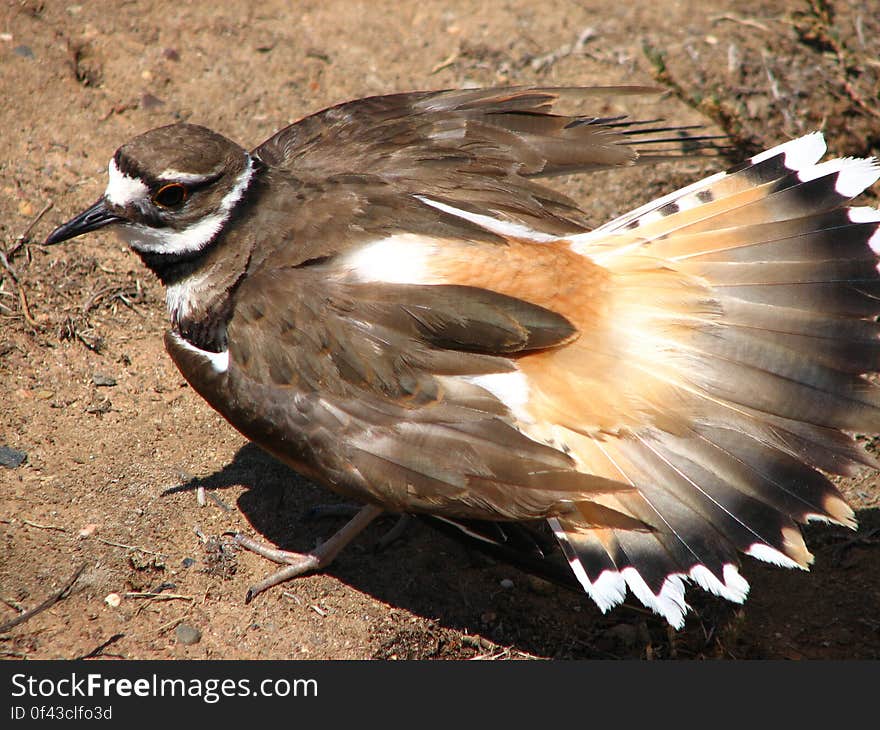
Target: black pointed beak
x=91, y=219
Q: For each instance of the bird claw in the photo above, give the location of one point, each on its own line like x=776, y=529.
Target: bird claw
x=295, y=564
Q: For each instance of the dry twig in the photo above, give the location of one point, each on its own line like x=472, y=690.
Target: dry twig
x=130, y=547
x=48, y=603
x=158, y=596
x=43, y=527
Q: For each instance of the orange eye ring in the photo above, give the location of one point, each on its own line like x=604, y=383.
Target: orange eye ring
x=172, y=195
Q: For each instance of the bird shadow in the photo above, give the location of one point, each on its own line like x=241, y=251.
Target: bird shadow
x=458, y=588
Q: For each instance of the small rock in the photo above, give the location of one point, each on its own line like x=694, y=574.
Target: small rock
x=187, y=634
x=113, y=600
x=103, y=381
x=11, y=458
x=26, y=209
x=506, y=584
x=23, y=51
x=188, y=562
x=170, y=54
x=88, y=530
x=148, y=101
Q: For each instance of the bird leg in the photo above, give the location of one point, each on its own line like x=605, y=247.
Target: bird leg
x=324, y=511
x=395, y=533
x=299, y=563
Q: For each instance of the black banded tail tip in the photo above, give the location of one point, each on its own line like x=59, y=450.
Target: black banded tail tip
x=91, y=219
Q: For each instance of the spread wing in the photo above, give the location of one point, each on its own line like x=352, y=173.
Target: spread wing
x=375, y=390
x=477, y=149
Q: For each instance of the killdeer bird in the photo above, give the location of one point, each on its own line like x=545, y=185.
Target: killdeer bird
x=385, y=297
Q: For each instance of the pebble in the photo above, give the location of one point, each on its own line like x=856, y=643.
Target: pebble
x=188, y=562
x=88, y=530
x=103, y=381
x=23, y=51
x=11, y=458
x=148, y=101
x=506, y=584
x=113, y=600
x=187, y=634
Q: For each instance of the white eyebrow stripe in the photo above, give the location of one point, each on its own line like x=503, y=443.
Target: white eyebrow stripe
x=123, y=190
x=190, y=178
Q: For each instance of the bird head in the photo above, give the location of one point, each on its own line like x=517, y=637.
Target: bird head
x=170, y=191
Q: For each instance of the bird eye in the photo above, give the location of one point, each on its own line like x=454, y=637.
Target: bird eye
x=171, y=195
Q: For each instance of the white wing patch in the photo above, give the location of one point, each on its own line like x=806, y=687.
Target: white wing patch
x=403, y=258
x=502, y=228
x=511, y=388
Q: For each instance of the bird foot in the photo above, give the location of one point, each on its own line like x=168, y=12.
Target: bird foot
x=299, y=563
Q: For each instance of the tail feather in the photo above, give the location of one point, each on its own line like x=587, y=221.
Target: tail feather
x=765, y=167
x=860, y=269
x=844, y=299
x=819, y=447
x=826, y=237
x=763, y=343
x=741, y=519
x=743, y=370
x=838, y=353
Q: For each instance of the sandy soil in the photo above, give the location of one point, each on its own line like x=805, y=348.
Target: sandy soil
x=116, y=444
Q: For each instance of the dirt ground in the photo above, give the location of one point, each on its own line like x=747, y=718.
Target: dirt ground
x=117, y=445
